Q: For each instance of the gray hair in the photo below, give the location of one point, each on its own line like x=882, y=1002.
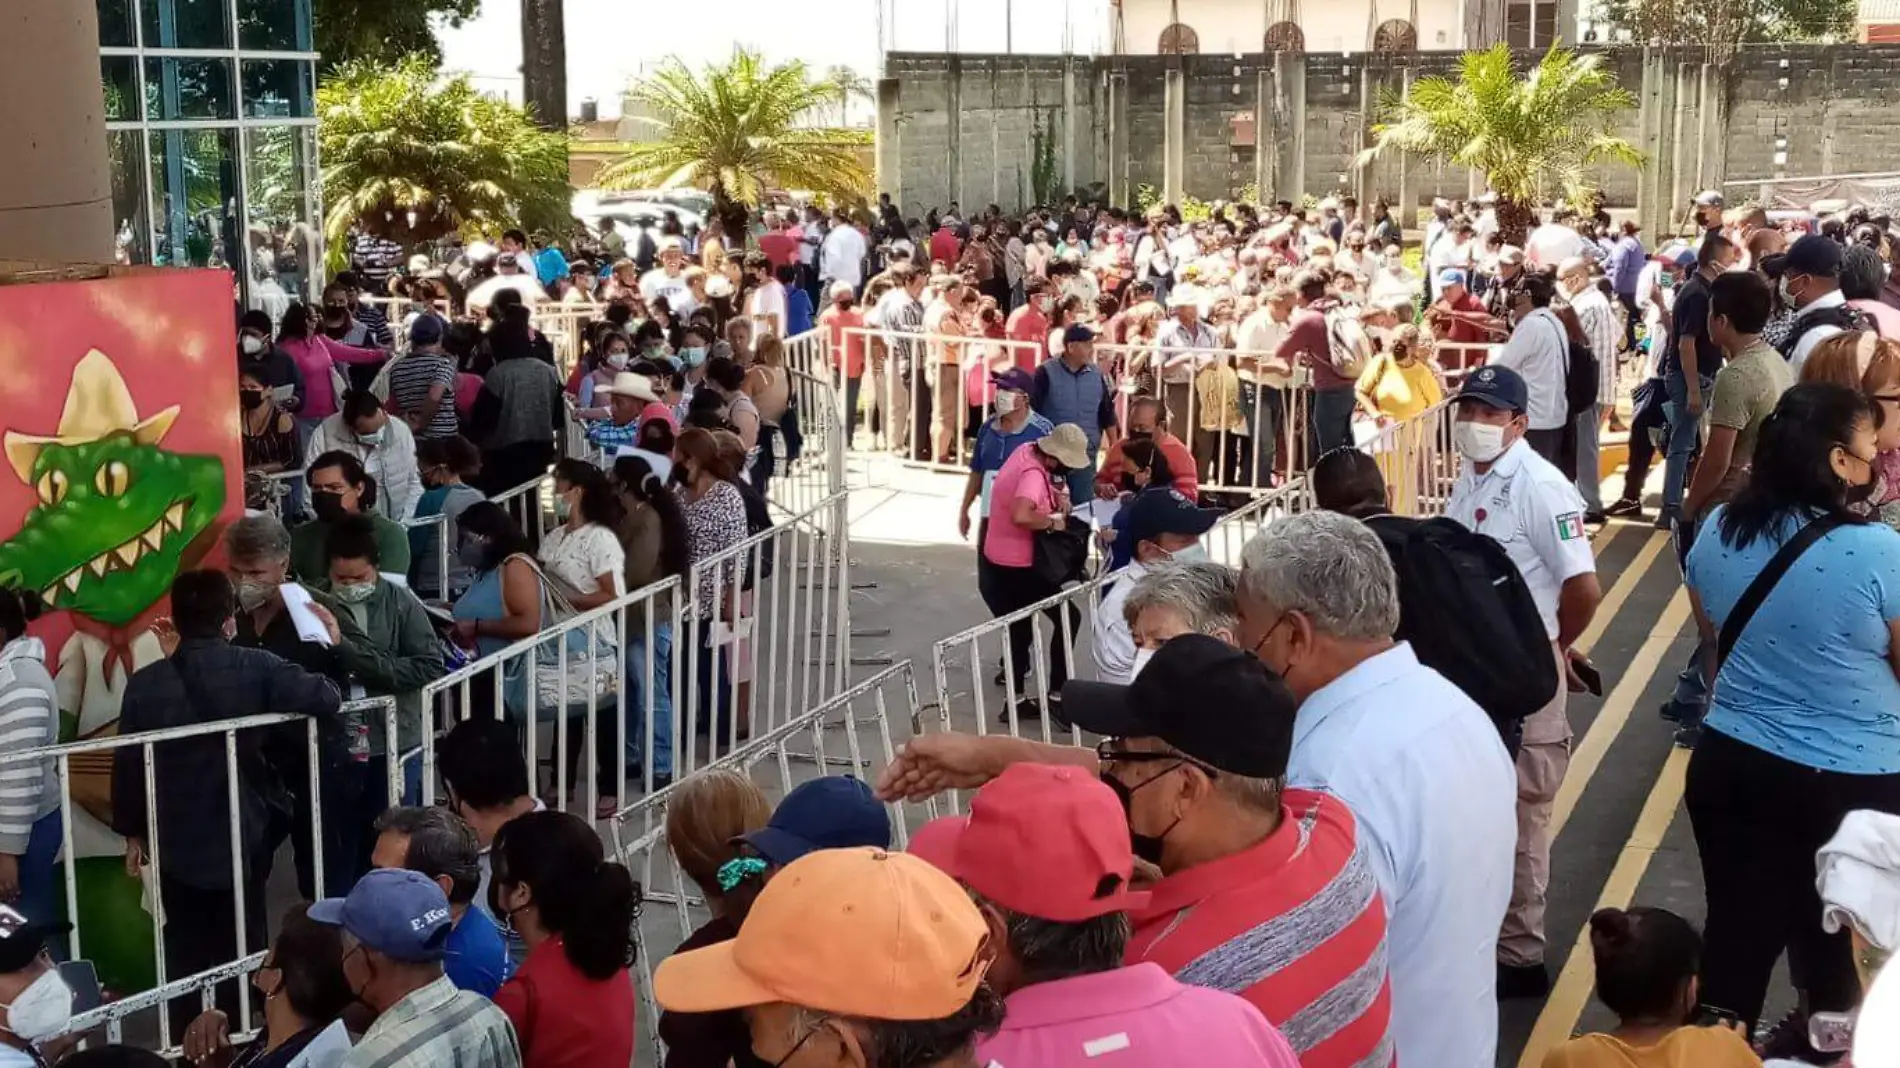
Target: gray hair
x=257, y=537
x=1329, y=567
x=1862, y=273
x=1201, y=590
x=1048, y=950
x=440, y=843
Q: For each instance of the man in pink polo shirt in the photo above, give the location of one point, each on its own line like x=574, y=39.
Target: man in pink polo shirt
x=1044, y=851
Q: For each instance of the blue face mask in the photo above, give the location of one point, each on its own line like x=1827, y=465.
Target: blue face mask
x=692, y=356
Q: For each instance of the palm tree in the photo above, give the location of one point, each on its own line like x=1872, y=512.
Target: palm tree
x=413, y=157
x=733, y=130
x=1532, y=136
x=849, y=85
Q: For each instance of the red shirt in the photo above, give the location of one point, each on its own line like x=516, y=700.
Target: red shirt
x=562, y=1018
x=1027, y=325
x=851, y=346
x=1180, y=462
x=1295, y=925
x=1457, y=330
x=945, y=246
x=1308, y=344
x=780, y=247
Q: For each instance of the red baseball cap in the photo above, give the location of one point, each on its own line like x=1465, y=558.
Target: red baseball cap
x=1042, y=841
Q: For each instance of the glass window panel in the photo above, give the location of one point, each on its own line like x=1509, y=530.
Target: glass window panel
x=274, y=25
x=115, y=24
x=279, y=88
x=120, y=77
x=195, y=196
x=187, y=23
x=125, y=151
x=280, y=235
x=188, y=89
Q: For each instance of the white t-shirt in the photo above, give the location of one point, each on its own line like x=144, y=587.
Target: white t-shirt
x=580, y=557
x=843, y=256
x=1260, y=334
x=1552, y=243
x=656, y=283
x=766, y=307
x=1539, y=350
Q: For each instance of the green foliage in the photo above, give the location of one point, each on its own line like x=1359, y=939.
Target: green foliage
x=1532, y=136
x=849, y=85
x=1042, y=172
x=735, y=129
x=398, y=142
x=1725, y=23
x=383, y=31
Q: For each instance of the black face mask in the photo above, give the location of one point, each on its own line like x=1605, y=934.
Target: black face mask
x=1145, y=846
x=1140, y=435
x=328, y=506
x=251, y=399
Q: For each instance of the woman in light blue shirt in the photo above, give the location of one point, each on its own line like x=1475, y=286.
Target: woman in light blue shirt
x=1804, y=717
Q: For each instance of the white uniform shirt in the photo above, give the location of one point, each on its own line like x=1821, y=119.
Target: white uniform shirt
x=1423, y=769
x=1114, y=641
x=842, y=259
x=1539, y=350
x=1815, y=334
x=1526, y=505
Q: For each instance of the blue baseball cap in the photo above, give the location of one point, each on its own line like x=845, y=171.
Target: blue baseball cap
x=1496, y=387
x=835, y=812
x=1014, y=379
x=1160, y=510
x=399, y=913
x=1076, y=333
x=426, y=330
x=1451, y=276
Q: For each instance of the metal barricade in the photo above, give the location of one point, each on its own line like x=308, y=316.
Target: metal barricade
x=565, y=327
x=1455, y=359
x=440, y=523
x=930, y=392
x=241, y=739
x=767, y=627
x=851, y=731
x=1418, y=461
x=531, y=506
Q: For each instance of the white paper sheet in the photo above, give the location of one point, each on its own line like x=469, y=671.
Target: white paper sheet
x=1099, y=513
x=298, y=602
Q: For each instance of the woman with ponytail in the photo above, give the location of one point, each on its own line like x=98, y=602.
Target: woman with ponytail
x=1646, y=964
x=30, y=828
x=572, y=1001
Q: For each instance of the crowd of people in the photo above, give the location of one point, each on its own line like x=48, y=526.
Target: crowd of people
x=1317, y=829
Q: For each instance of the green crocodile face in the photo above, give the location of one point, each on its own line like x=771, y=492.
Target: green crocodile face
x=112, y=524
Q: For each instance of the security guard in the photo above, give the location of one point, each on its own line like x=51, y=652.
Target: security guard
x=1521, y=500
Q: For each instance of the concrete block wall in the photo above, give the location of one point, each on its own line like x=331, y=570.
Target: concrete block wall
x=962, y=127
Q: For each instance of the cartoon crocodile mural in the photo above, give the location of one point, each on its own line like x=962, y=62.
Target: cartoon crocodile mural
x=116, y=517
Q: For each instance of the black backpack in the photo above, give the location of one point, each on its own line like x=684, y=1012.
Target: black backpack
x=1580, y=378
x=1469, y=615
x=1843, y=316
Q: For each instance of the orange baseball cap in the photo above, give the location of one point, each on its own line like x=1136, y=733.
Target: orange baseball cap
x=856, y=932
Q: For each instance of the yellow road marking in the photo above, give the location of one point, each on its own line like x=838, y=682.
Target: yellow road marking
x=1572, y=990
x=1587, y=756
x=1626, y=584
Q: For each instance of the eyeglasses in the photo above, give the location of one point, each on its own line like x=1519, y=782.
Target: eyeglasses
x=1107, y=753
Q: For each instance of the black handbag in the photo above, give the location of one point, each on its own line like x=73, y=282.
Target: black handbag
x=1061, y=553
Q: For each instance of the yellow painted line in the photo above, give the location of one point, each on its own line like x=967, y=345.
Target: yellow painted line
x=1617, y=706
x=1572, y=990
x=1625, y=585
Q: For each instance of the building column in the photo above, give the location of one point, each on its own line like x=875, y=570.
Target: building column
x=890, y=168
x=1118, y=191
x=1068, y=125
x=1174, y=139
x=1713, y=166
x=1289, y=76
x=1649, y=126
x=953, y=85
x=56, y=191
x=1266, y=133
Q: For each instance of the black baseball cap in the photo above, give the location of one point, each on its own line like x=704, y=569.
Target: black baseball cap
x=22, y=940
x=1496, y=387
x=1162, y=510
x=1211, y=701
x=1815, y=255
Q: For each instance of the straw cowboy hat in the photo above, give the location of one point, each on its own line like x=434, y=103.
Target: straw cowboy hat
x=98, y=405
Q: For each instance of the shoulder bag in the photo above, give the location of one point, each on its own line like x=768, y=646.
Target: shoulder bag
x=1765, y=583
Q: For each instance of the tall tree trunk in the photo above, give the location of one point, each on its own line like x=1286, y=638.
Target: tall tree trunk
x=1515, y=219
x=544, y=62
x=735, y=217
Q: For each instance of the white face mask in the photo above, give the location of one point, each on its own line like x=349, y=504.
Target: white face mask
x=1189, y=554
x=1142, y=656
x=43, y=1009
x=251, y=344
x=1006, y=402
x=1478, y=442
x=617, y=360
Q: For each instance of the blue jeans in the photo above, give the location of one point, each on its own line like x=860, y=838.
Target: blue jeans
x=662, y=702
x=1330, y=424
x=1683, y=432
x=39, y=882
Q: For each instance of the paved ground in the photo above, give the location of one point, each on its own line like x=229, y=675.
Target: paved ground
x=1621, y=834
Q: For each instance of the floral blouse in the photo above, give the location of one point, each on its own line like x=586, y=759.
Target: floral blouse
x=714, y=523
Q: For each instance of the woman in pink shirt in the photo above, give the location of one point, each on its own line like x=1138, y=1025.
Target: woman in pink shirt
x=316, y=357
x=1028, y=496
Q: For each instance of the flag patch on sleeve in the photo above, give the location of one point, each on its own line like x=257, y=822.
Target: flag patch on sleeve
x=1570, y=526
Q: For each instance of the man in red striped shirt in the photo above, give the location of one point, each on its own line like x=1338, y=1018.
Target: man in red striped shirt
x=1265, y=893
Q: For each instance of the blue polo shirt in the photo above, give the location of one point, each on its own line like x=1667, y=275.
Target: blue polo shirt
x=476, y=959
x=993, y=446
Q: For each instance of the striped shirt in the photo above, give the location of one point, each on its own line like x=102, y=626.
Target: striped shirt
x=29, y=718
x=409, y=381
x=440, y=1027
x=1294, y=925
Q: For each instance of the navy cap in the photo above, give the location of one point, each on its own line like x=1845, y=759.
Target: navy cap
x=399, y=913
x=1497, y=387
x=835, y=812
x=426, y=330
x=1815, y=255
x=1162, y=510
x=1015, y=379
x=1076, y=333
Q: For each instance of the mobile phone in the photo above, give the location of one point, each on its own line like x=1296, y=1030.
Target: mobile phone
x=83, y=978
x=1587, y=674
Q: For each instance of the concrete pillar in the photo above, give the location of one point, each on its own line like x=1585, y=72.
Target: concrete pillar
x=890, y=167
x=1685, y=137
x=1118, y=191
x=1266, y=134
x=1291, y=104
x=1714, y=160
x=55, y=191
x=996, y=137
x=1174, y=139
x=953, y=91
x=1649, y=122
x=1407, y=209
x=1363, y=182
x=1068, y=125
